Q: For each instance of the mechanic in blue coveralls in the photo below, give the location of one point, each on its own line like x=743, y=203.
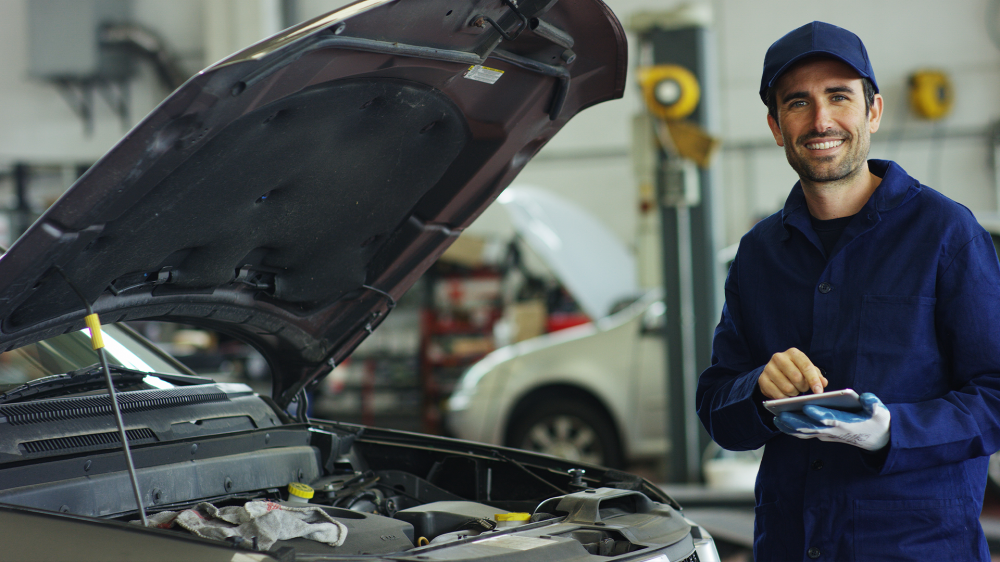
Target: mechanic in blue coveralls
x=866, y=279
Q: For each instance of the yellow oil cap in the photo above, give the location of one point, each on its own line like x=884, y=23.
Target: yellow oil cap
x=300, y=490
x=517, y=516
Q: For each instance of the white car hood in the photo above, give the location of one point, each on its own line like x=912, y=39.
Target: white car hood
x=593, y=264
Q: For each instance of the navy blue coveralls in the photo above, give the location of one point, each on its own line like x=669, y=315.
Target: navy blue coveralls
x=906, y=306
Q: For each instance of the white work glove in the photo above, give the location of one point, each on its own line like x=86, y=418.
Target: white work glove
x=868, y=429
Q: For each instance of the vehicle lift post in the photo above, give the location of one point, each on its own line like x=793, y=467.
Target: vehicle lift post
x=686, y=200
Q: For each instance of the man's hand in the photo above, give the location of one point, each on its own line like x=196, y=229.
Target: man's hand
x=790, y=373
x=868, y=429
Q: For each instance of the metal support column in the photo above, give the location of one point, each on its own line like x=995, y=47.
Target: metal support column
x=689, y=268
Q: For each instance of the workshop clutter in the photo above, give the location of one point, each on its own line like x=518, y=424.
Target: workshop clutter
x=468, y=304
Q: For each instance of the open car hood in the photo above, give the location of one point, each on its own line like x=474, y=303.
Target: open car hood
x=590, y=261
x=290, y=194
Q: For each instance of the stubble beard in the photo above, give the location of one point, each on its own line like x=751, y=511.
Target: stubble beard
x=817, y=171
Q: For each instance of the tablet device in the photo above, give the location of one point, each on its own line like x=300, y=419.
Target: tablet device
x=845, y=399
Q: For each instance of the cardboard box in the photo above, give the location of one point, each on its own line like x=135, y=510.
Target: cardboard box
x=527, y=319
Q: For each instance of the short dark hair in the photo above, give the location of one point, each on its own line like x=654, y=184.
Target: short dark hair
x=772, y=101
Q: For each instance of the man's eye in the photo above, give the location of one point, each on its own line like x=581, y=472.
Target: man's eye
x=797, y=103
x=839, y=98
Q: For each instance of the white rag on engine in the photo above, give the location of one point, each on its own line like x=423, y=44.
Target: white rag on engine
x=265, y=521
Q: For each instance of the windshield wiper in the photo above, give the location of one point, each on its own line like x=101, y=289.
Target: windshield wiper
x=89, y=378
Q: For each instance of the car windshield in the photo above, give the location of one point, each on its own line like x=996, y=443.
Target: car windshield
x=72, y=351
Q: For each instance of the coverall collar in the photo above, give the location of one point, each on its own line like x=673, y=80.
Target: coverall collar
x=897, y=186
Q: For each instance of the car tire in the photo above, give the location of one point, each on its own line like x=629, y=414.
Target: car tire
x=993, y=473
x=569, y=429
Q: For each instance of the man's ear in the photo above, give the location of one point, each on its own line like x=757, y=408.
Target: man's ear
x=875, y=114
x=776, y=130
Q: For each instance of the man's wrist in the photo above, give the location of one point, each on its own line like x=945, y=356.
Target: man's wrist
x=758, y=398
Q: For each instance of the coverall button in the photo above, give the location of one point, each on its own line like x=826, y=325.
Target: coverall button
x=825, y=287
x=813, y=552
x=817, y=464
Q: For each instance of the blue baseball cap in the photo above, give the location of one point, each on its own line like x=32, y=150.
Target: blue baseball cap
x=815, y=39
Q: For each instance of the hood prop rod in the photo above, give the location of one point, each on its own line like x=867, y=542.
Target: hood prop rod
x=97, y=342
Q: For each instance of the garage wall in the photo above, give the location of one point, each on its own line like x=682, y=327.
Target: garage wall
x=38, y=125
x=589, y=162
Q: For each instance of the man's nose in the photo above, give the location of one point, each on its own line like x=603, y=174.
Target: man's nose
x=823, y=117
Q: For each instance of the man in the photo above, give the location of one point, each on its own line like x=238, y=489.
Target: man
x=865, y=280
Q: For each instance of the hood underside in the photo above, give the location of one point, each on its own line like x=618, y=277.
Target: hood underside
x=290, y=194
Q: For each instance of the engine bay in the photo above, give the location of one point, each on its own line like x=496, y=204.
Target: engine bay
x=395, y=493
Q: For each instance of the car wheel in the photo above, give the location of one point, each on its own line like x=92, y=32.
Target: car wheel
x=567, y=429
x=993, y=473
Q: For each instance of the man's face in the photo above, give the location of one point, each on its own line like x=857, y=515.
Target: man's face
x=822, y=121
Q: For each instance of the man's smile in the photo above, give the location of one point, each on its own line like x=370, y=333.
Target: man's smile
x=823, y=145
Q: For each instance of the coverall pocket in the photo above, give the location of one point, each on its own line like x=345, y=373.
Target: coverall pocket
x=887, y=530
x=898, y=357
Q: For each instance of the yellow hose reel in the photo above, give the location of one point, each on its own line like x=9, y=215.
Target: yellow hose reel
x=931, y=94
x=670, y=91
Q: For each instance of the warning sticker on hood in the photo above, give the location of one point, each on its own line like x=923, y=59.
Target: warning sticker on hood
x=485, y=74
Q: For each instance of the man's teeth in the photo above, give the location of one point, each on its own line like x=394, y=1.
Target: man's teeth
x=825, y=145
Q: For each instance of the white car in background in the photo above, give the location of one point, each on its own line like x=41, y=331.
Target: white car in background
x=595, y=392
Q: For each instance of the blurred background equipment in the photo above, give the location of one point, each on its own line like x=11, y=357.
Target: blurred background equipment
x=88, y=47
x=931, y=94
x=670, y=91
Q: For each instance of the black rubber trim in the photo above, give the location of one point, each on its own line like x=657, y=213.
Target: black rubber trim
x=92, y=406
x=135, y=436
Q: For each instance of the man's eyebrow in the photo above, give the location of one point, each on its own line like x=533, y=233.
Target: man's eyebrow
x=840, y=89
x=794, y=96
